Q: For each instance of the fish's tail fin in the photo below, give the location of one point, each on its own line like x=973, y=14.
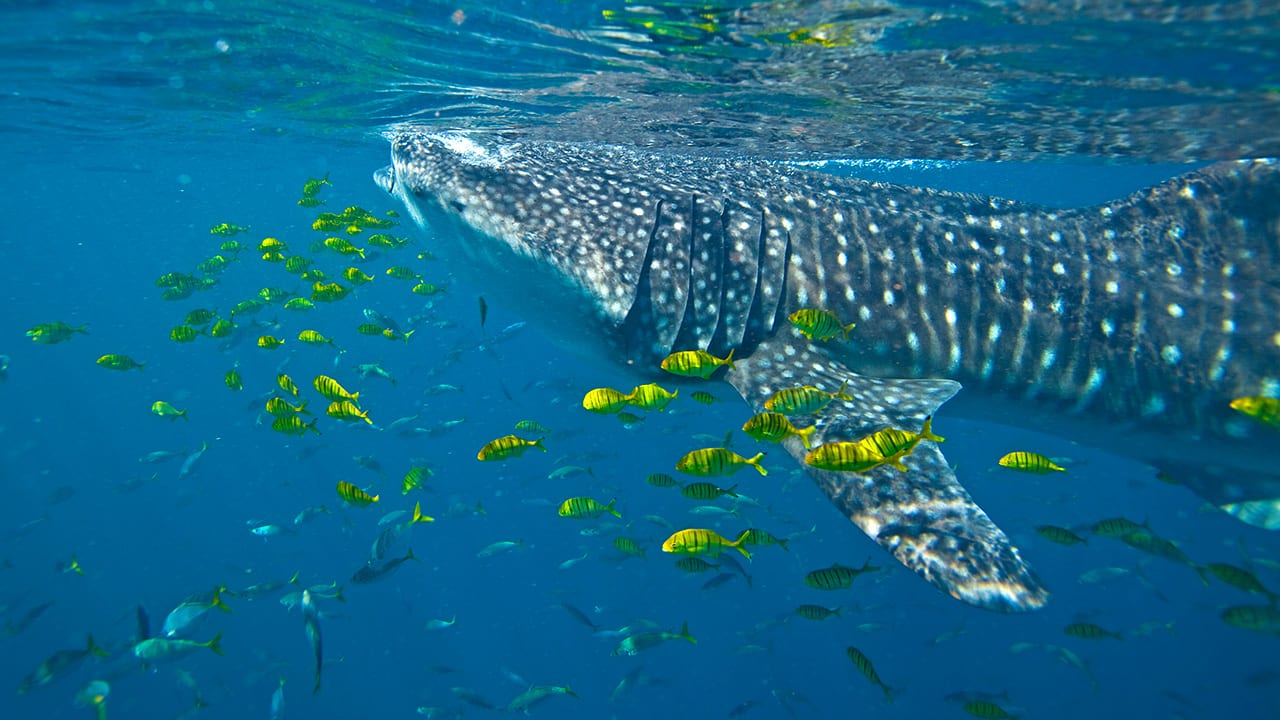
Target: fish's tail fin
x=215, y=644
x=94, y=648
x=755, y=463
x=684, y=633
x=609, y=508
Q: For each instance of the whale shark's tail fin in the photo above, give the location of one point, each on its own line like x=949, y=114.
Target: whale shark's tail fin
x=923, y=517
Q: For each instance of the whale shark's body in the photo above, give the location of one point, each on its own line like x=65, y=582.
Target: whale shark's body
x=1132, y=324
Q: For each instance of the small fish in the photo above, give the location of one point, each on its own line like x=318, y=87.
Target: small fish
x=604, y=400
x=311, y=337
x=1089, y=631
x=160, y=649
x=313, y=186
x=346, y=410
x=837, y=577
x=717, y=462
x=189, y=465
x=696, y=363
x=484, y=311
x=804, y=400
x=159, y=456
x=661, y=480
x=569, y=471
x=374, y=369
x=94, y=694
x=271, y=530
x=233, y=380
x=506, y=447
x=55, y=332
x=1059, y=535
x=703, y=542
x=756, y=536
x=167, y=411
x=635, y=644
x=58, y=665
x=819, y=324
x=309, y=513
x=120, y=362
x=269, y=342
x=532, y=427
x=1030, y=462
x=227, y=229
x=184, y=334
x=1265, y=410
x=1257, y=618
x=703, y=397
x=1240, y=578
x=536, y=694
x=651, y=396
x=190, y=611
x=311, y=623
x=1117, y=527
x=585, y=507
x=277, y=702
x=333, y=391
x=354, y=495
x=299, y=304
x=776, y=427
x=856, y=456
x=499, y=547
x=414, y=479
x=816, y=612
x=987, y=710
x=863, y=663
x=221, y=329
x=433, y=625
x=376, y=570
x=293, y=425
x=706, y=491
x=628, y=546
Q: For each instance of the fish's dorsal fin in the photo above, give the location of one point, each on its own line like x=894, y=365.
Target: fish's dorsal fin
x=923, y=517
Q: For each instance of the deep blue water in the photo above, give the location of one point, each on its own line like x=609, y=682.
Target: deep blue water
x=92, y=221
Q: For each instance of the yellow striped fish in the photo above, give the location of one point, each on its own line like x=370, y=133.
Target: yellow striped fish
x=355, y=495
x=1030, y=462
x=1265, y=410
x=604, y=401
x=804, y=400
x=333, y=391
x=312, y=337
x=651, y=396
x=863, y=663
x=775, y=427
x=507, y=446
x=293, y=425
x=346, y=410
x=585, y=507
x=267, y=342
x=819, y=324
x=857, y=456
x=279, y=407
x=836, y=577
x=695, y=363
x=717, y=462
x=286, y=384
x=700, y=541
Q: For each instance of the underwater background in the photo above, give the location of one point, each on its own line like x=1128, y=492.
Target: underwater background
x=132, y=130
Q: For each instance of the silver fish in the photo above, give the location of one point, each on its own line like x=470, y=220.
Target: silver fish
x=1085, y=311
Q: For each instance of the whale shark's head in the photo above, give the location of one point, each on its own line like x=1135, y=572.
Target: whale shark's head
x=552, y=233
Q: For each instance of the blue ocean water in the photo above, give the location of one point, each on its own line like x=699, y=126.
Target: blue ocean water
x=96, y=211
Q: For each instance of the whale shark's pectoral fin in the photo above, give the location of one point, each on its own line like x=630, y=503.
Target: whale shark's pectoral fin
x=923, y=517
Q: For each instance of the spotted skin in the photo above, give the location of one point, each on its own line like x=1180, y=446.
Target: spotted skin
x=1154, y=310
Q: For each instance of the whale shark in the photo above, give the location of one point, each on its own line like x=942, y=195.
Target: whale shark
x=1130, y=325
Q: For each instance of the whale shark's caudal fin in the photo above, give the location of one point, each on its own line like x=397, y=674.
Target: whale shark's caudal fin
x=922, y=517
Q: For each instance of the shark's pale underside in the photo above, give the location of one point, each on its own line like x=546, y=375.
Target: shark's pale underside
x=1130, y=325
